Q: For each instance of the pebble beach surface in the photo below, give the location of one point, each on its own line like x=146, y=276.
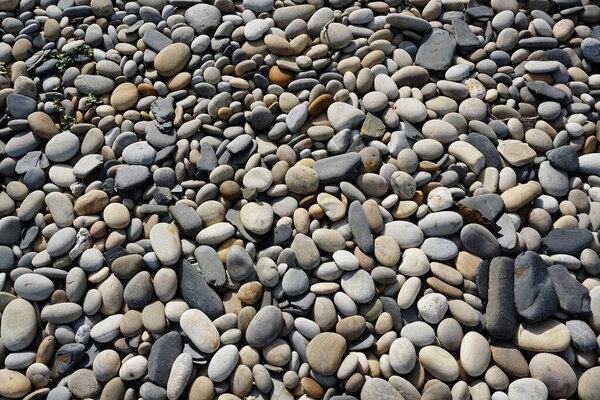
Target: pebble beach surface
x=339, y=200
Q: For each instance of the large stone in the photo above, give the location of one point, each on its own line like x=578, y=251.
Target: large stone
x=535, y=296
x=325, y=352
x=18, y=325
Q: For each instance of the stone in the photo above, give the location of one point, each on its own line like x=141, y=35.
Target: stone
x=475, y=354
x=200, y=330
x=555, y=373
x=165, y=242
x=436, y=50
x=573, y=297
x=222, y=363
x=377, y=388
x=501, y=317
x=325, y=352
x=535, y=296
x=439, y=363
x=264, y=327
x=358, y=285
x=18, y=325
x=344, y=116
x=204, y=18
x=196, y=292
x=162, y=356
x=173, y=58
x=13, y=384
x=545, y=336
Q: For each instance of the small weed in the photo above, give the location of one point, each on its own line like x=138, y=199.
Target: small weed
x=58, y=106
x=67, y=121
x=4, y=70
x=92, y=100
x=84, y=49
x=64, y=60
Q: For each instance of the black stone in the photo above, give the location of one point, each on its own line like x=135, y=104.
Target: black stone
x=535, y=296
x=482, y=279
x=162, y=356
x=567, y=240
x=487, y=148
x=573, y=297
x=564, y=158
x=500, y=314
x=196, y=292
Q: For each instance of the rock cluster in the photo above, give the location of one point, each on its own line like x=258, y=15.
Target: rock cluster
x=275, y=199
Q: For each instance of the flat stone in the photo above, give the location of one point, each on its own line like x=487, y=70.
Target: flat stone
x=535, y=296
x=436, y=50
x=548, y=335
x=573, y=297
x=196, y=292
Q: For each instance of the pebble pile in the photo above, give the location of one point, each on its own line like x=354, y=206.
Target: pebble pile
x=276, y=199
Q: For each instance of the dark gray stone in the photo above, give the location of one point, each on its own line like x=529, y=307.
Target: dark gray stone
x=208, y=159
x=573, y=297
x=163, y=110
x=500, y=314
x=436, y=51
x=196, y=292
x=162, y=356
x=210, y=265
x=139, y=290
x=567, y=240
x=465, y=38
x=19, y=106
x=264, y=327
x=359, y=225
x=490, y=206
x=187, y=220
x=564, y=158
x=582, y=335
x=239, y=263
x=337, y=168
x=487, y=148
x=131, y=181
x=482, y=279
x=66, y=358
x=535, y=297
